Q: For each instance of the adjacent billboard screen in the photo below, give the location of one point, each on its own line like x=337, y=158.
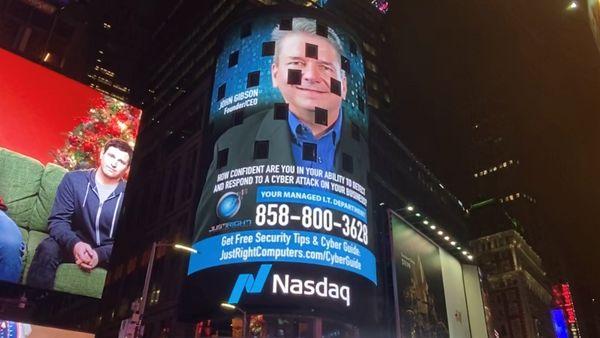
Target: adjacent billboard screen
x=435, y=294
x=283, y=220
x=559, y=323
x=10, y=329
x=65, y=151
x=419, y=284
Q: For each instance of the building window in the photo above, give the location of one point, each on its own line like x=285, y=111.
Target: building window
x=233, y=58
x=355, y=132
x=221, y=91
x=222, y=156
x=261, y=150
x=268, y=48
x=294, y=77
x=309, y=151
x=285, y=25
x=370, y=49
x=246, y=30
x=311, y=51
x=253, y=79
x=238, y=117
x=280, y=111
x=345, y=64
x=373, y=101
x=347, y=163
x=322, y=30
x=321, y=116
x=336, y=87
x=371, y=66
x=353, y=48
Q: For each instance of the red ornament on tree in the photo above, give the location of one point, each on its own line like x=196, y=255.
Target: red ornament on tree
x=109, y=118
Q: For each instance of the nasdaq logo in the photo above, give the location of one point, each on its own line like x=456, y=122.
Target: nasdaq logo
x=250, y=283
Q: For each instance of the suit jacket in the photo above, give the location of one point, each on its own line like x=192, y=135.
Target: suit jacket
x=239, y=140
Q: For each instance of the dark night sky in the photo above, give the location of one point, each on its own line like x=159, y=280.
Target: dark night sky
x=533, y=60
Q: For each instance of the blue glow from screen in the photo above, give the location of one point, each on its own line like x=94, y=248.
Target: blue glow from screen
x=560, y=324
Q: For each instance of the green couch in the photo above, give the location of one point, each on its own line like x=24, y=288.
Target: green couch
x=28, y=189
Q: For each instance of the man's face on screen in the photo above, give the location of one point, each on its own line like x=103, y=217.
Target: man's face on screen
x=114, y=162
x=314, y=87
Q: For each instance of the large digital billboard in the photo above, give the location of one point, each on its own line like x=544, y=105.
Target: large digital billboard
x=283, y=220
x=418, y=283
x=435, y=294
x=65, y=151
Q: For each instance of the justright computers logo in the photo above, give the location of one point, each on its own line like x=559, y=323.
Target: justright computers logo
x=229, y=204
x=250, y=283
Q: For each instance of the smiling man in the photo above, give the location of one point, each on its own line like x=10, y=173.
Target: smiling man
x=84, y=217
x=307, y=127
x=307, y=71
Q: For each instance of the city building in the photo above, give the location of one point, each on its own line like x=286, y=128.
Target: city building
x=173, y=84
x=47, y=32
x=79, y=39
x=519, y=296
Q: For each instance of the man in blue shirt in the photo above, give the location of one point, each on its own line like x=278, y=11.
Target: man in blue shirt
x=307, y=71
x=312, y=133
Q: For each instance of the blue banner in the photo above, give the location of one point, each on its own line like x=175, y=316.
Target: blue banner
x=283, y=246
x=311, y=196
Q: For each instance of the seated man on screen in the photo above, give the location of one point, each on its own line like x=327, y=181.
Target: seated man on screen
x=312, y=91
x=84, y=217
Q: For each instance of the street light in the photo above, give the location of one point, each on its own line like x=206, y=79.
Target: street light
x=228, y=306
x=143, y=302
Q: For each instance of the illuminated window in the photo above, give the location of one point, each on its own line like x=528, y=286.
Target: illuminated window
x=371, y=66
x=370, y=49
x=387, y=98
x=373, y=101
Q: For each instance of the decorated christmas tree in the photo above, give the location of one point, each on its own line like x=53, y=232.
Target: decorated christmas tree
x=108, y=119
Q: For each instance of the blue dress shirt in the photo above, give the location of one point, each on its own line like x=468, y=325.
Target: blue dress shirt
x=326, y=144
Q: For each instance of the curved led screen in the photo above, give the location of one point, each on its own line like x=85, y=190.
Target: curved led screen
x=283, y=220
